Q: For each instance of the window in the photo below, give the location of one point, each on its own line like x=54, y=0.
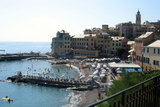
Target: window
x=154, y=51
x=158, y=51
x=116, y=44
x=155, y=62
x=144, y=50
x=147, y=50
x=113, y=44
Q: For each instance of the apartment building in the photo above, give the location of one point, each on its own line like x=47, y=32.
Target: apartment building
x=151, y=56
x=103, y=41
x=61, y=44
x=141, y=41
x=84, y=45
x=116, y=43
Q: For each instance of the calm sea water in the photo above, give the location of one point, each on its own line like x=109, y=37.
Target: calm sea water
x=27, y=95
x=16, y=47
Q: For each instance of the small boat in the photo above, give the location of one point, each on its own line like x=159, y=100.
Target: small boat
x=7, y=99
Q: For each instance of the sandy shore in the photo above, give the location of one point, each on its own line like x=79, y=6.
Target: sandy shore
x=87, y=97
x=90, y=96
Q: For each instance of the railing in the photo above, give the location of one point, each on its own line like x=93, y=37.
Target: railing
x=144, y=94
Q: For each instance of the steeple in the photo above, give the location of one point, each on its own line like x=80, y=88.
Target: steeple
x=138, y=18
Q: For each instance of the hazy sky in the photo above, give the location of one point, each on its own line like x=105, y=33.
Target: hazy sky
x=39, y=20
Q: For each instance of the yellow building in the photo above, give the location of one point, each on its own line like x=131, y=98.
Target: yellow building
x=103, y=43
x=84, y=45
x=151, y=56
x=116, y=42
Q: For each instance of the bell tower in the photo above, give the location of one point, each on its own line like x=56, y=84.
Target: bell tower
x=138, y=18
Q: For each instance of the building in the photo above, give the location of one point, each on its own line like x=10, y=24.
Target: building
x=61, y=44
x=105, y=29
x=132, y=30
x=86, y=41
x=103, y=41
x=141, y=41
x=84, y=45
x=138, y=18
x=131, y=48
x=151, y=56
x=117, y=43
x=125, y=29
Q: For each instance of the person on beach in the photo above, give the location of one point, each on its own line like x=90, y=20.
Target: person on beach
x=99, y=95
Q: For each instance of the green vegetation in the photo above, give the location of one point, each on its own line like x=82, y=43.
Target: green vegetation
x=121, y=51
x=127, y=80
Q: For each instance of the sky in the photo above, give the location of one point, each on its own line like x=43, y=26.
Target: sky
x=39, y=20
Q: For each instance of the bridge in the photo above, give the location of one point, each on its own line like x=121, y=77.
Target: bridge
x=144, y=94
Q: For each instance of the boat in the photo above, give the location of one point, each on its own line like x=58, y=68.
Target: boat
x=7, y=99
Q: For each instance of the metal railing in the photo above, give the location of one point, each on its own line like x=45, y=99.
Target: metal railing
x=144, y=94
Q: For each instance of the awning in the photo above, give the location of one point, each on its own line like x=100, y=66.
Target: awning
x=123, y=65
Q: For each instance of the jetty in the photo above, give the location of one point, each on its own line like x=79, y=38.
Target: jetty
x=46, y=81
x=27, y=56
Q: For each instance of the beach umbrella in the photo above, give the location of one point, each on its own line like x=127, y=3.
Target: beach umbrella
x=82, y=77
x=95, y=77
x=95, y=72
x=90, y=76
x=117, y=69
x=102, y=75
x=93, y=66
x=104, y=66
x=89, y=80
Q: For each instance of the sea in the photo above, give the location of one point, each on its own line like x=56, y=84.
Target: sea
x=28, y=95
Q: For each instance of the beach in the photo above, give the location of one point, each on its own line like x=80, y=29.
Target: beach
x=90, y=96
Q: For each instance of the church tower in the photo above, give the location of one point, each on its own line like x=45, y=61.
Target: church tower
x=138, y=18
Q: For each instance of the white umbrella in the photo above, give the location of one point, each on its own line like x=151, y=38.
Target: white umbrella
x=82, y=77
x=95, y=77
x=117, y=69
x=104, y=66
x=90, y=76
x=95, y=72
x=102, y=75
x=93, y=66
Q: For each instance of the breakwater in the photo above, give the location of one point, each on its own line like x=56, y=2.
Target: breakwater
x=20, y=56
x=59, y=83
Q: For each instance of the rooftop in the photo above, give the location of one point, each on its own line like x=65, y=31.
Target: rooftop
x=155, y=44
x=145, y=35
x=84, y=35
x=117, y=38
